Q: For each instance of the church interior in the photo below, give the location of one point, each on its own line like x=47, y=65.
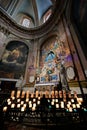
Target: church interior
x=43, y=64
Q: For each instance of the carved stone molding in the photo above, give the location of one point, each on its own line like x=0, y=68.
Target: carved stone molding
x=4, y=30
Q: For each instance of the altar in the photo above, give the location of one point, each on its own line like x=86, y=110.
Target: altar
x=45, y=86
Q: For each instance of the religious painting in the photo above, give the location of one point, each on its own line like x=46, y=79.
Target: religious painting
x=42, y=79
x=14, y=60
x=53, y=54
x=54, y=77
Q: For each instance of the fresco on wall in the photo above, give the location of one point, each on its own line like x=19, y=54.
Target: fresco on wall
x=63, y=51
x=53, y=54
x=13, y=62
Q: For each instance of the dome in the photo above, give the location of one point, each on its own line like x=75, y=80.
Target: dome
x=29, y=13
x=29, y=18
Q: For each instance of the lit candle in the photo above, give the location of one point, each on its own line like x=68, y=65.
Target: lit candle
x=12, y=105
x=37, y=94
x=22, y=109
x=5, y=108
x=70, y=109
x=32, y=95
x=56, y=94
x=69, y=102
x=18, y=100
x=33, y=108
x=27, y=99
x=56, y=100
x=68, y=105
x=79, y=100
x=38, y=102
x=57, y=105
x=27, y=94
x=52, y=103
x=18, y=105
x=30, y=105
x=60, y=94
x=34, y=100
x=9, y=103
x=78, y=105
x=18, y=93
x=62, y=104
x=30, y=102
x=73, y=105
x=12, y=93
x=8, y=100
x=24, y=105
x=22, y=102
x=39, y=98
x=52, y=93
x=13, y=98
x=72, y=100
x=23, y=94
x=34, y=105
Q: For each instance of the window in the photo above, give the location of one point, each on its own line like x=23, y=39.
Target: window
x=46, y=16
x=26, y=22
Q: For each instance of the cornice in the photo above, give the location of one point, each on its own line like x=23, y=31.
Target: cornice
x=12, y=27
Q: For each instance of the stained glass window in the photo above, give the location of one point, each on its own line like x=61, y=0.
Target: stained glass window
x=26, y=22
